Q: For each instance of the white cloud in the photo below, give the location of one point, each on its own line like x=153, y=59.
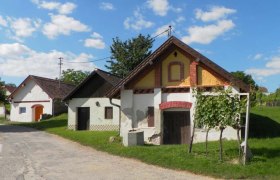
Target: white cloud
x=258, y=56
x=272, y=67
x=160, y=7
x=12, y=50
x=3, y=22
x=180, y=19
x=24, y=27
x=61, y=24
x=28, y=61
x=206, y=34
x=106, y=6
x=137, y=22
x=96, y=41
x=215, y=13
x=65, y=8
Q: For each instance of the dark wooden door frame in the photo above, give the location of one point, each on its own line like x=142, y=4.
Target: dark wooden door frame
x=176, y=129
x=83, y=118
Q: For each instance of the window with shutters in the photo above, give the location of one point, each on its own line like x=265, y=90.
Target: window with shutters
x=108, y=112
x=150, y=118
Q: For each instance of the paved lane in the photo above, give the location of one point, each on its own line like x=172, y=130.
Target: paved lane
x=29, y=154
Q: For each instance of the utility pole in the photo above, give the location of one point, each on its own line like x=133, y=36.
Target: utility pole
x=60, y=64
x=169, y=31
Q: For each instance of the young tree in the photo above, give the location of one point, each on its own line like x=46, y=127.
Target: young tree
x=2, y=92
x=126, y=55
x=219, y=109
x=73, y=77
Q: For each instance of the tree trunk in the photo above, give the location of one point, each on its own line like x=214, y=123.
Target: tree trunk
x=206, y=142
x=239, y=141
x=191, y=143
x=221, y=144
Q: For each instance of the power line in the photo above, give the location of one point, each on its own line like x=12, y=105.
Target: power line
x=169, y=33
x=109, y=57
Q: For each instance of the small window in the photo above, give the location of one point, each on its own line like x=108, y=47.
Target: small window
x=151, y=122
x=108, y=112
x=22, y=110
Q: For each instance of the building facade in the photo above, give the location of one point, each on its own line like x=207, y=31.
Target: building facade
x=89, y=108
x=36, y=96
x=157, y=96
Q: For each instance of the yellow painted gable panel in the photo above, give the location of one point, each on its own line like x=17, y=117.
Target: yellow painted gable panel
x=148, y=81
x=205, y=78
x=175, y=70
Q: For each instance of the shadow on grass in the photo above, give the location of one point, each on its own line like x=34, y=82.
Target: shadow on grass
x=263, y=127
x=34, y=126
x=266, y=152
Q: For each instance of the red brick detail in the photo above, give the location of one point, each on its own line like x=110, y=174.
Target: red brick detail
x=158, y=75
x=181, y=71
x=175, y=104
x=193, y=73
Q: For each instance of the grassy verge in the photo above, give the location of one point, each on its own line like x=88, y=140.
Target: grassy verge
x=265, y=164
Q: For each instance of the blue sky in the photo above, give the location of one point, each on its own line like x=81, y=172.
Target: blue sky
x=237, y=35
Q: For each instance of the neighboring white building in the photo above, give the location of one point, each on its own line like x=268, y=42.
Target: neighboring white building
x=157, y=97
x=36, y=96
x=8, y=90
x=88, y=108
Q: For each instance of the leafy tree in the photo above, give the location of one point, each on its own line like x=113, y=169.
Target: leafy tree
x=73, y=77
x=126, y=55
x=2, y=92
x=246, y=78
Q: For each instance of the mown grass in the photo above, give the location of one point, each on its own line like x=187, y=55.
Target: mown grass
x=264, y=165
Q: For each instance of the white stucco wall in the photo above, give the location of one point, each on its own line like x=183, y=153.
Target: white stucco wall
x=97, y=113
x=134, y=109
x=30, y=92
x=2, y=110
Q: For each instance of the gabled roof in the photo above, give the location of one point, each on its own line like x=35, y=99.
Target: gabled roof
x=110, y=78
x=9, y=88
x=49, y=86
x=173, y=41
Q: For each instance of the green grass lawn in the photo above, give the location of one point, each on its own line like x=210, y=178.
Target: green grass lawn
x=265, y=164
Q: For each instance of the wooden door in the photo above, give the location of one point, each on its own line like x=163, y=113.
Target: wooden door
x=83, y=118
x=38, y=112
x=176, y=127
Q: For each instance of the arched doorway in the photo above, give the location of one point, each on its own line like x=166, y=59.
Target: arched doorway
x=176, y=122
x=37, y=111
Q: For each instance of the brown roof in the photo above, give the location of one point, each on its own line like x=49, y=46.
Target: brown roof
x=110, y=78
x=10, y=88
x=49, y=86
x=173, y=41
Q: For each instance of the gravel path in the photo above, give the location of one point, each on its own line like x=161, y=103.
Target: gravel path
x=29, y=154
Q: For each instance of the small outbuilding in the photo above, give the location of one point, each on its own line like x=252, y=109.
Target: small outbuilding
x=36, y=96
x=89, y=108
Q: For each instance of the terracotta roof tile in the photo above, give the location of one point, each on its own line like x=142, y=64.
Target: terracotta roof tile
x=50, y=86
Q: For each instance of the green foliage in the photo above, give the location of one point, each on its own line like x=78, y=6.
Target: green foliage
x=126, y=55
x=272, y=99
x=246, y=78
x=265, y=164
x=218, y=110
x=74, y=77
x=2, y=93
